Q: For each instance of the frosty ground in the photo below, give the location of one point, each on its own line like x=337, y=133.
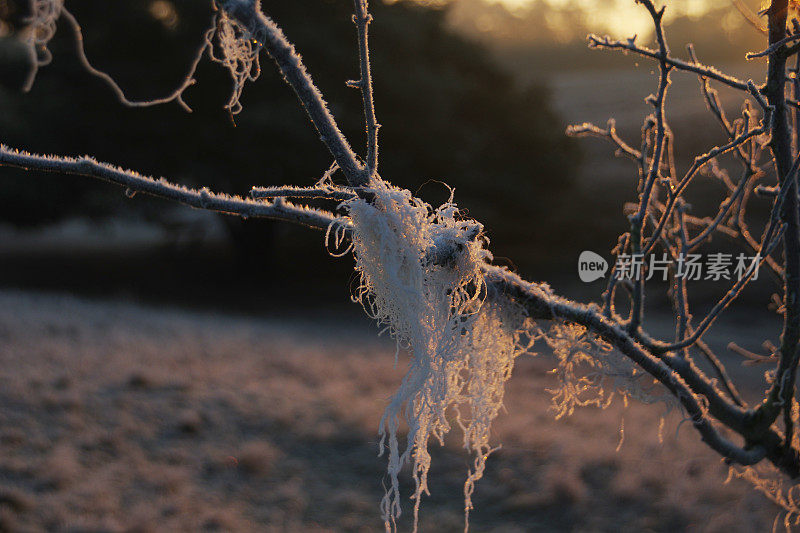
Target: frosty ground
x=117, y=416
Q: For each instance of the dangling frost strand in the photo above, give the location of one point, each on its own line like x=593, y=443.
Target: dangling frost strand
x=239, y=54
x=42, y=28
x=421, y=278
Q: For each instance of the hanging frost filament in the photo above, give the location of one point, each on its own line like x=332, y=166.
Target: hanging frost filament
x=590, y=373
x=42, y=28
x=239, y=52
x=43, y=21
x=421, y=278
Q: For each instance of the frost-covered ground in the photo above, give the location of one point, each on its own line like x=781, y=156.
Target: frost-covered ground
x=120, y=417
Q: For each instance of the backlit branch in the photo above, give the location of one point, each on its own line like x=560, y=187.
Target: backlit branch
x=630, y=45
x=776, y=48
x=781, y=394
x=638, y=219
x=746, y=141
x=543, y=305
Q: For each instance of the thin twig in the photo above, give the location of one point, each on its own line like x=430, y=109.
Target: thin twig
x=362, y=20
x=637, y=220
x=750, y=16
x=630, y=45
x=775, y=48
x=588, y=129
x=289, y=191
x=719, y=369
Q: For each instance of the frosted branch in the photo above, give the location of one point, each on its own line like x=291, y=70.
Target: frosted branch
x=776, y=48
x=630, y=45
x=697, y=164
x=201, y=199
x=288, y=191
x=543, y=304
x=609, y=132
x=362, y=20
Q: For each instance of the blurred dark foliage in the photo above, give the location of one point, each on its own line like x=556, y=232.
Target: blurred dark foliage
x=14, y=13
x=448, y=113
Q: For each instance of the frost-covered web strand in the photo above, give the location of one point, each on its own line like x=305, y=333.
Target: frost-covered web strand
x=420, y=277
x=43, y=29
x=239, y=55
x=43, y=19
x=590, y=372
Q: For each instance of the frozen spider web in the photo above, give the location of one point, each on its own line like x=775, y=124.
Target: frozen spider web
x=420, y=277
